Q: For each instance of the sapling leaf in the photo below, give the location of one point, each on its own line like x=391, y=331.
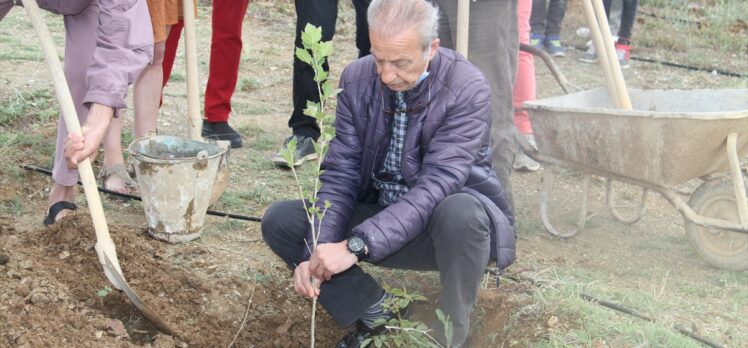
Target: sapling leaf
x=303, y=55
x=324, y=49
x=311, y=35
x=320, y=76
x=311, y=109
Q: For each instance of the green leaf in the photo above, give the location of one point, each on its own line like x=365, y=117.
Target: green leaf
x=324, y=49
x=303, y=55
x=320, y=76
x=366, y=342
x=311, y=109
x=378, y=341
x=311, y=35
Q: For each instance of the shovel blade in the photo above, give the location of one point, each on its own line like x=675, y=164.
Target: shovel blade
x=120, y=283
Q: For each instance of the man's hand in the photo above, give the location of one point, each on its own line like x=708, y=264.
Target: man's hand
x=330, y=259
x=302, y=281
x=77, y=147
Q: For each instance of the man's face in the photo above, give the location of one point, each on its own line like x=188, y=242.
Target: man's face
x=399, y=59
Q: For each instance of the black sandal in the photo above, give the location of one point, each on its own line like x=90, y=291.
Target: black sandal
x=56, y=209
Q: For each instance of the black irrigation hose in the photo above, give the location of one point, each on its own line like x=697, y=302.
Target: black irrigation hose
x=622, y=309
x=137, y=198
x=678, y=65
x=672, y=19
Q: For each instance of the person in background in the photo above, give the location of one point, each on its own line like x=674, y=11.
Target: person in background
x=108, y=43
x=146, y=94
x=623, y=43
x=524, y=89
x=324, y=14
x=408, y=177
x=546, y=26
x=225, y=55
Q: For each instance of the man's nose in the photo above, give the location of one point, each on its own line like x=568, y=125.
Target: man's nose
x=388, y=74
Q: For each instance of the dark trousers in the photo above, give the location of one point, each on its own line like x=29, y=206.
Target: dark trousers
x=547, y=23
x=456, y=243
x=324, y=14
x=628, y=16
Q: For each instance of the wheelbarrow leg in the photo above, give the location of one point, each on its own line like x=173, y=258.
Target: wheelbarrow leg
x=737, y=177
x=548, y=178
x=614, y=209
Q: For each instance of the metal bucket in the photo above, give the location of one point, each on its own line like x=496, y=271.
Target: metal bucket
x=222, y=177
x=176, y=177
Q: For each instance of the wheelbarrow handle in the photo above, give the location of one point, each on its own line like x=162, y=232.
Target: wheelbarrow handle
x=104, y=243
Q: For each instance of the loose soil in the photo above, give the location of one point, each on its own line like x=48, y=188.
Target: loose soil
x=54, y=292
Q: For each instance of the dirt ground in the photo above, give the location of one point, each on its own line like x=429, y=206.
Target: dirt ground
x=227, y=287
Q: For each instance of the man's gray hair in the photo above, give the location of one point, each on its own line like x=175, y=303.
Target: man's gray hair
x=388, y=18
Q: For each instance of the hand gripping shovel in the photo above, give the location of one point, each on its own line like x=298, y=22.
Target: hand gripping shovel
x=104, y=245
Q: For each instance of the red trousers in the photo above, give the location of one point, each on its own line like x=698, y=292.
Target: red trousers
x=524, y=88
x=225, y=54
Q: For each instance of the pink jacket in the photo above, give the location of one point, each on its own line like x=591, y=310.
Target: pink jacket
x=124, y=45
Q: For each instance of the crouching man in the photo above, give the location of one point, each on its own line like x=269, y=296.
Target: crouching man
x=408, y=176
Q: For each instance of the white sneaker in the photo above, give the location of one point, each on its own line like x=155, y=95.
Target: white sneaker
x=524, y=163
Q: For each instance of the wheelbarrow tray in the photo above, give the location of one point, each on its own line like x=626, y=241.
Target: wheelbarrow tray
x=670, y=136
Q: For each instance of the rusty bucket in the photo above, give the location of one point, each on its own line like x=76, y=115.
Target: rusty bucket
x=176, y=177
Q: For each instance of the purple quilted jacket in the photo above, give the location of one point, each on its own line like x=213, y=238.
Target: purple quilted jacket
x=447, y=150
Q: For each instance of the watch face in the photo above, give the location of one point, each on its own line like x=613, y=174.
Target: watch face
x=355, y=244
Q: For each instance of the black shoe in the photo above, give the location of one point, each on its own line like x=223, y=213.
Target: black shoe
x=222, y=131
x=305, y=151
x=358, y=335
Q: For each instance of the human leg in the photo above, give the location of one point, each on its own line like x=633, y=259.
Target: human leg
x=322, y=13
x=80, y=42
x=537, y=18
x=347, y=295
x=170, y=52
x=362, y=27
x=225, y=54
x=457, y=244
x=147, y=92
x=524, y=88
x=556, y=12
x=493, y=48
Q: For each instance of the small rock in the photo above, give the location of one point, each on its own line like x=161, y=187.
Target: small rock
x=22, y=290
x=163, y=341
x=99, y=334
x=64, y=255
x=115, y=328
x=552, y=321
x=4, y=259
x=20, y=340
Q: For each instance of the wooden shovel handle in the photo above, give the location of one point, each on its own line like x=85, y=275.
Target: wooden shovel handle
x=104, y=243
x=624, y=102
x=193, y=94
x=463, y=26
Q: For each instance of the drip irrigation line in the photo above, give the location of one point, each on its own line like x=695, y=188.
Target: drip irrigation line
x=672, y=19
x=681, y=66
x=622, y=309
x=137, y=198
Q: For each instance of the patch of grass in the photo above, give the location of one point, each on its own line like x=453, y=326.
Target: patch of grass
x=13, y=206
x=249, y=84
x=177, y=77
x=24, y=108
x=585, y=324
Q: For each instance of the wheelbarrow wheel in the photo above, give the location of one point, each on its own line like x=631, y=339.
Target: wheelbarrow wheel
x=720, y=248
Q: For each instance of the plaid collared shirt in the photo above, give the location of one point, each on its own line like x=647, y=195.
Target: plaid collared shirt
x=389, y=180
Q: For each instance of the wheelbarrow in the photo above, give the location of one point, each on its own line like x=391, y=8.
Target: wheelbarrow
x=667, y=139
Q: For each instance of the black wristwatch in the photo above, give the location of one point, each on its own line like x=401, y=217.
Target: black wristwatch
x=357, y=246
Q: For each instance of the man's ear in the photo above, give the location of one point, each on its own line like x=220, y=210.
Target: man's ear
x=434, y=47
